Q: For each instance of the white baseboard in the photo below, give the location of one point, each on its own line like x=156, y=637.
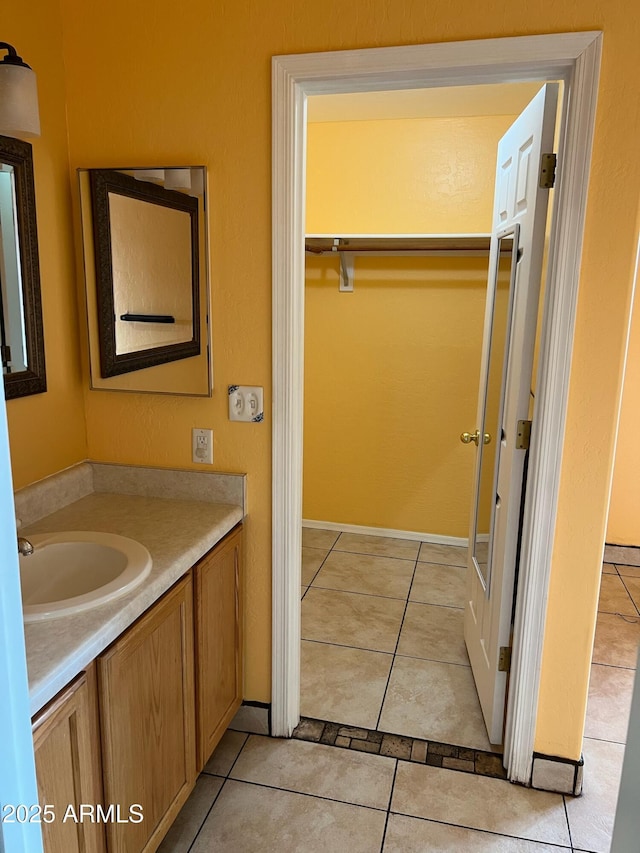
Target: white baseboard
x=434, y=538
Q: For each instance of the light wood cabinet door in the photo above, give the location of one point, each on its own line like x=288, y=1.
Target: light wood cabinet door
x=218, y=609
x=67, y=755
x=147, y=716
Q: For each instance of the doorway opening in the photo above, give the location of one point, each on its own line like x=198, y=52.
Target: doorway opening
x=393, y=351
x=574, y=59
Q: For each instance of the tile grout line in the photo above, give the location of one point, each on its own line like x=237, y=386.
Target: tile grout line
x=206, y=817
x=605, y=740
x=240, y=751
x=319, y=567
x=434, y=660
x=305, y=794
x=384, y=556
x=612, y=665
x=566, y=815
x=343, y=646
x=393, y=661
x=485, y=831
x=629, y=594
x=215, y=799
x=631, y=617
x=386, y=822
x=368, y=594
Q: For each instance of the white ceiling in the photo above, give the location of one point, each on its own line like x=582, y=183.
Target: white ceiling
x=501, y=99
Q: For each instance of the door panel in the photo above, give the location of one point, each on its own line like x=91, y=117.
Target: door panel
x=520, y=210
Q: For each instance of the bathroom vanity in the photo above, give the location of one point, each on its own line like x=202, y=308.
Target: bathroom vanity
x=151, y=680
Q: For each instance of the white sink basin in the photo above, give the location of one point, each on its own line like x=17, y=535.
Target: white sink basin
x=74, y=571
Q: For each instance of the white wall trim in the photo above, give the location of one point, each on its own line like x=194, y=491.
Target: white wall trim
x=389, y=532
x=573, y=57
x=548, y=429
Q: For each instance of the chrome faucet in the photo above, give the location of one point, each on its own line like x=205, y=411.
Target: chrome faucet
x=24, y=546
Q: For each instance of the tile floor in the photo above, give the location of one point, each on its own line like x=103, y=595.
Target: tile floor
x=291, y=796
x=382, y=637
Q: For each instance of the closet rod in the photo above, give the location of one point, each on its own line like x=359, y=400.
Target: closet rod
x=329, y=245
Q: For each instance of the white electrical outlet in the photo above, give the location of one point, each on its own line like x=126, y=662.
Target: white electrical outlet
x=246, y=403
x=202, y=445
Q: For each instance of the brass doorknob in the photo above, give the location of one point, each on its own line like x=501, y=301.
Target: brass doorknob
x=468, y=437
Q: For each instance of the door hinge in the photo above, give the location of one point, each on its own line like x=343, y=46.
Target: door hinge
x=504, y=660
x=523, y=436
x=547, y=171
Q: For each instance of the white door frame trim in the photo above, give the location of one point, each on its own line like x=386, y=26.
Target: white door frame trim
x=572, y=57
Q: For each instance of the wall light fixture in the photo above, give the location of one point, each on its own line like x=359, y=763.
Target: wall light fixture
x=19, y=114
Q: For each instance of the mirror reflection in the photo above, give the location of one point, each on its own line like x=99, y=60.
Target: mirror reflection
x=12, y=335
x=146, y=278
x=502, y=278
x=152, y=274
x=21, y=337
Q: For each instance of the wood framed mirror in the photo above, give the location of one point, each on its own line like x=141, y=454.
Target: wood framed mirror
x=146, y=239
x=21, y=331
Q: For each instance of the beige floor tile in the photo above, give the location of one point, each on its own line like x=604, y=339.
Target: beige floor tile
x=191, y=816
x=614, y=597
x=591, y=816
x=385, y=576
x=616, y=641
x=609, y=569
x=438, y=584
x=478, y=802
x=312, y=559
x=609, y=703
x=250, y=718
x=628, y=571
x=349, y=619
x=225, y=753
x=303, y=589
x=324, y=771
x=416, y=835
x=433, y=633
x=632, y=584
x=620, y=554
x=342, y=684
x=448, y=555
x=247, y=818
x=378, y=546
x=435, y=701
x=316, y=538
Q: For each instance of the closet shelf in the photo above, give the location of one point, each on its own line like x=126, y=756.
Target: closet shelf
x=401, y=243
x=346, y=247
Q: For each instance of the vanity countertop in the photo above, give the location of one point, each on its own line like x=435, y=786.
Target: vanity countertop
x=176, y=532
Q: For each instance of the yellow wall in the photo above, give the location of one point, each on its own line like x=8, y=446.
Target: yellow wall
x=381, y=439
x=408, y=175
x=47, y=431
x=391, y=380
x=146, y=85
x=624, y=513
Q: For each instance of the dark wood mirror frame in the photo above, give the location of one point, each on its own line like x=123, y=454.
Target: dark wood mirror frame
x=18, y=154
x=103, y=182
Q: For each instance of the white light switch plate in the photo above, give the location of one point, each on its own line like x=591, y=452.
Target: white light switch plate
x=202, y=445
x=246, y=403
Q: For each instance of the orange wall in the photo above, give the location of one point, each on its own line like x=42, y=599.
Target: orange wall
x=148, y=84
x=624, y=513
x=381, y=426
x=47, y=431
x=391, y=380
x=402, y=176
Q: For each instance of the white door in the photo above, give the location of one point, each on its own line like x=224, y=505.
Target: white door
x=17, y=768
x=515, y=268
